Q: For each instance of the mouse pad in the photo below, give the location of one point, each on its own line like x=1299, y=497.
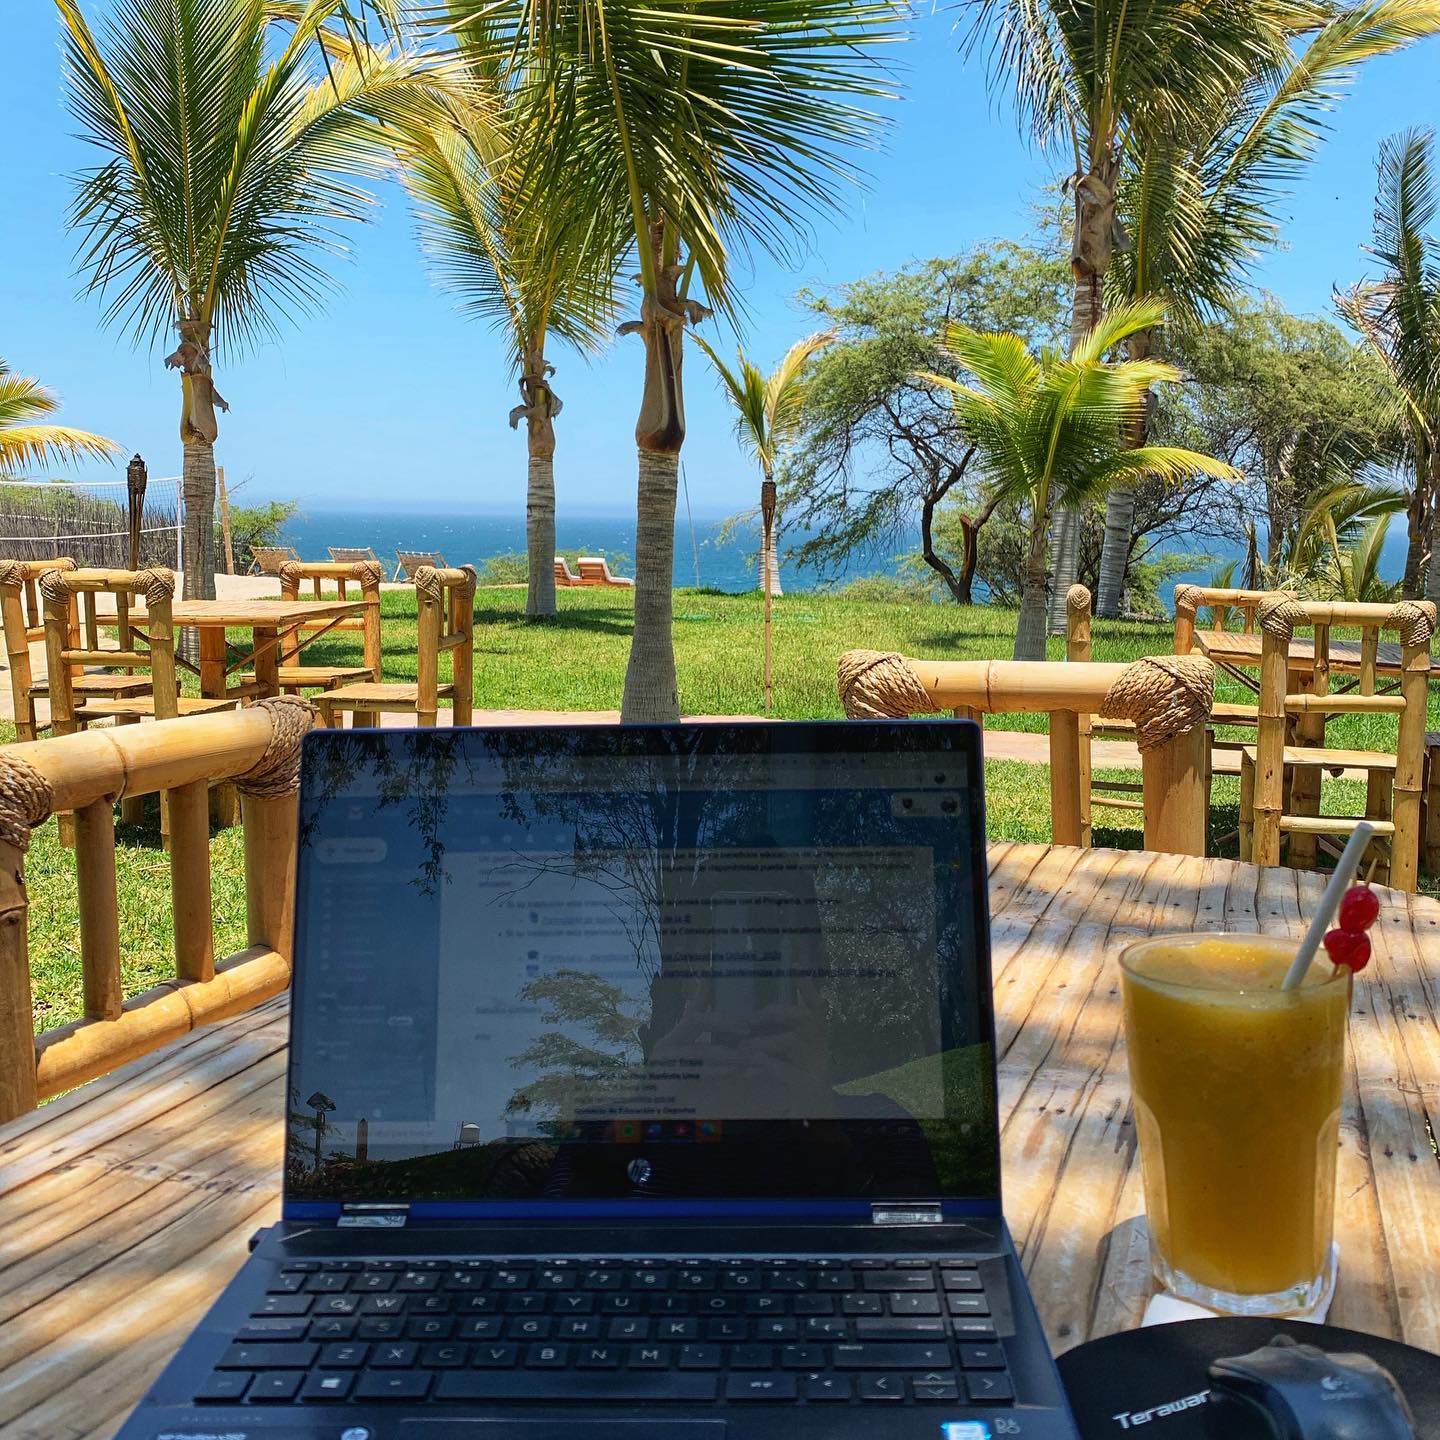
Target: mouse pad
x=1155, y=1381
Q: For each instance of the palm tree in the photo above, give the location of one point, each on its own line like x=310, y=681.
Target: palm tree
x=1103, y=79
x=26, y=435
x=228, y=142
x=708, y=128
x=1398, y=317
x=1050, y=430
x=1199, y=209
x=767, y=415
x=532, y=272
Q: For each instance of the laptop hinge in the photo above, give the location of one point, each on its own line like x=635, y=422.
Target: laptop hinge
x=374, y=1217
x=915, y=1214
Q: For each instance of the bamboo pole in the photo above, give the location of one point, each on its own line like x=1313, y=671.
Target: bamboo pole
x=270, y=830
x=1173, y=780
x=190, y=894
x=462, y=661
x=99, y=908
x=1078, y=650
x=1410, y=764
x=1310, y=731
x=427, y=659
x=1066, y=802
x=225, y=521
x=17, y=1019
x=1270, y=747
x=17, y=651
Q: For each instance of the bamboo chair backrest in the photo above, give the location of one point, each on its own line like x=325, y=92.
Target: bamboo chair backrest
x=269, y=559
x=24, y=621
x=411, y=560
x=1279, y=617
x=65, y=655
x=1190, y=599
x=366, y=575
x=446, y=605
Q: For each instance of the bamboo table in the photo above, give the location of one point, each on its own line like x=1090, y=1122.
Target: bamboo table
x=126, y=1205
x=1234, y=649
x=269, y=621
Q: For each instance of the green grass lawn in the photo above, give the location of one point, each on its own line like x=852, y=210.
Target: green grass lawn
x=577, y=662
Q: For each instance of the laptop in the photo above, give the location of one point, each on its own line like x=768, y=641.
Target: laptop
x=642, y=1084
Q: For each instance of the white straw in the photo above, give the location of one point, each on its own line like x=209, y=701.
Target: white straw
x=1340, y=881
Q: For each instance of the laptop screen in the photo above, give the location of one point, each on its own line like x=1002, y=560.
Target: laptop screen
x=685, y=963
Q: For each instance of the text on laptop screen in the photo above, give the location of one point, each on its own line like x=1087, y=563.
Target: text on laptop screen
x=730, y=961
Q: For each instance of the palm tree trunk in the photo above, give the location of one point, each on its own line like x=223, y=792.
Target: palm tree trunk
x=1432, y=579
x=540, y=538
x=1030, y=632
x=651, y=693
x=1120, y=510
x=198, y=537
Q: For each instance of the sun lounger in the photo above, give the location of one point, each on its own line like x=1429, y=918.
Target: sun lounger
x=267, y=559
x=563, y=573
x=350, y=554
x=411, y=560
x=595, y=571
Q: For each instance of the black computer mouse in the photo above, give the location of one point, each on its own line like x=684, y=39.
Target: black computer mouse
x=1299, y=1392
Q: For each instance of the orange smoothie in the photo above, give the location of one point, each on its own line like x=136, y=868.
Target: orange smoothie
x=1237, y=1090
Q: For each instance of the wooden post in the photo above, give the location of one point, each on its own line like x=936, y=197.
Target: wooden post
x=17, y=652
x=99, y=909
x=270, y=830
x=190, y=895
x=136, y=479
x=1079, y=650
x=431, y=597
x=1309, y=730
x=225, y=521
x=1410, y=762
x=462, y=658
x=1173, y=776
x=1187, y=600
x=1066, y=803
x=1270, y=745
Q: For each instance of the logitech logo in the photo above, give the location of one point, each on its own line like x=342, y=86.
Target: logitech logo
x=1129, y=1419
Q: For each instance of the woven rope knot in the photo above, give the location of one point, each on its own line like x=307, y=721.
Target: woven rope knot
x=55, y=587
x=277, y=772
x=25, y=801
x=472, y=575
x=1415, y=620
x=1187, y=600
x=428, y=583
x=12, y=574
x=1279, y=614
x=1165, y=696
x=367, y=572
x=879, y=686
x=290, y=575
x=159, y=584
x=1077, y=600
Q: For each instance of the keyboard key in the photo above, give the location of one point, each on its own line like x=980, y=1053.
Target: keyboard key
x=273, y=1329
x=699, y=1357
x=286, y=1285
x=547, y=1357
x=327, y=1284
x=344, y=1327
x=586, y=1328
x=263, y=1356
x=914, y=1304
x=986, y=1387
x=967, y=1304
x=982, y=1357
x=834, y=1280
x=394, y=1355
x=323, y=1385
x=334, y=1304
x=344, y=1357
x=374, y=1283
x=820, y=1329
x=300, y=1267
x=882, y=1387
x=677, y=1330
x=893, y=1280
x=393, y=1385
x=430, y=1327
x=537, y=1327
x=416, y=1282
x=865, y=1304
x=761, y=1387
x=597, y=1357
x=961, y=1280
x=958, y=1264
x=812, y=1305
x=922, y=1388
x=222, y=1386
x=569, y=1386
x=901, y=1328
x=601, y=1280
x=442, y=1357
x=482, y=1329
x=729, y=1330
x=284, y=1305
x=891, y=1357
x=752, y=1357
x=777, y=1329
x=275, y=1387
x=494, y=1357
x=826, y=1387
x=976, y=1332
x=802, y=1357
x=649, y=1357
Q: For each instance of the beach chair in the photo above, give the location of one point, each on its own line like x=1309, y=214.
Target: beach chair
x=24, y=623
x=409, y=561
x=594, y=570
x=267, y=559
x=352, y=554
x=1281, y=774
x=563, y=573
x=446, y=600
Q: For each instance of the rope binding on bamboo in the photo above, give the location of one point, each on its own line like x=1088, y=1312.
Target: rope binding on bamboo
x=879, y=686
x=1187, y=600
x=277, y=772
x=367, y=572
x=1415, y=620
x=429, y=584
x=1164, y=695
x=26, y=800
x=12, y=574
x=1279, y=614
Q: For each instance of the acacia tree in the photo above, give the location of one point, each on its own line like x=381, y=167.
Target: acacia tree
x=1198, y=210
x=230, y=133
x=1398, y=317
x=1049, y=430
x=1102, y=79
x=28, y=436
x=706, y=128
x=533, y=272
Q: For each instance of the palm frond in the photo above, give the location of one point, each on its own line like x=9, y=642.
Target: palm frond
x=25, y=440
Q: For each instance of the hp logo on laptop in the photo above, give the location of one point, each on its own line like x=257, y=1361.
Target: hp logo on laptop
x=640, y=1172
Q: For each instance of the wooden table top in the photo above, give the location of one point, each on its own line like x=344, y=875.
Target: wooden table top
x=261, y=614
x=126, y=1205
x=1234, y=647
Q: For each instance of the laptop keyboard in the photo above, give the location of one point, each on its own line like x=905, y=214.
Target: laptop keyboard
x=760, y=1330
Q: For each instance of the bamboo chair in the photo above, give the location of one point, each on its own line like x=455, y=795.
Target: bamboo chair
x=268, y=559
x=352, y=554
x=564, y=575
x=295, y=676
x=1432, y=804
x=24, y=623
x=409, y=561
x=594, y=570
x=1280, y=779
x=446, y=600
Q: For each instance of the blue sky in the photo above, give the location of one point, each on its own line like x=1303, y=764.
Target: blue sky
x=389, y=398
